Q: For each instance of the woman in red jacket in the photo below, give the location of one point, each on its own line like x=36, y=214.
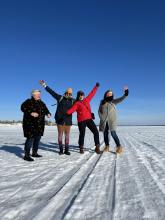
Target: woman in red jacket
x=84, y=118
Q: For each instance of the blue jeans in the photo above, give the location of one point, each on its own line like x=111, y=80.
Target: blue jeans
x=114, y=135
x=32, y=143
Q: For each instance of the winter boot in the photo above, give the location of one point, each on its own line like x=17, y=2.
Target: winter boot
x=35, y=154
x=61, y=150
x=119, y=150
x=27, y=157
x=97, y=150
x=106, y=149
x=81, y=149
x=67, y=150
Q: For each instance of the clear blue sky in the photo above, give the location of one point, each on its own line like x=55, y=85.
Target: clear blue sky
x=77, y=43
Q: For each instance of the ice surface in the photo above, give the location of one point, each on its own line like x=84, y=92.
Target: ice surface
x=81, y=187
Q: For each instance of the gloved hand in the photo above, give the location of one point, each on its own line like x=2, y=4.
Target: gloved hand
x=42, y=82
x=126, y=92
x=97, y=84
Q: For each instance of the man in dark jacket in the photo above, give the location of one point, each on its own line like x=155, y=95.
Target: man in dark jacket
x=63, y=121
x=33, y=123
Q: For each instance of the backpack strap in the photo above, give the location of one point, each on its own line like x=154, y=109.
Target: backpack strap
x=60, y=99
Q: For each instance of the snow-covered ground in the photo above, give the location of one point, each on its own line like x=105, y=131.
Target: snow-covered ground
x=84, y=187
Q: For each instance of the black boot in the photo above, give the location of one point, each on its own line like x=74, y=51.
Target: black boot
x=81, y=149
x=61, y=150
x=35, y=154
x=67, y=150
x=27, y=157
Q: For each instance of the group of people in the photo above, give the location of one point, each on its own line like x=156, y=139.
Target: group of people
x=35, y=110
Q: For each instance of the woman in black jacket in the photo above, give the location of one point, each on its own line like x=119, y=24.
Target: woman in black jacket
x=63, y=121
x=33, y=123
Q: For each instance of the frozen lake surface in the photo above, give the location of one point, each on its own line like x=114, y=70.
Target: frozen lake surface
x=130, y=186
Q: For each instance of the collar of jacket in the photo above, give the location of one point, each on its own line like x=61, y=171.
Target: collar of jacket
x=39, y=100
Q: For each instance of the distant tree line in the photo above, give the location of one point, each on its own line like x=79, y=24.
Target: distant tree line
x=12, y=122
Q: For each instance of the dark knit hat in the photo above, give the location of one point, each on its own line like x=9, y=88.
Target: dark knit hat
x=80, y=93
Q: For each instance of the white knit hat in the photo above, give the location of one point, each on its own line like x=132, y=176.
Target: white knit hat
x=35, y=91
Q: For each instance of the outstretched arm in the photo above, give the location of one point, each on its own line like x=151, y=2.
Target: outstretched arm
x=72, y=109
x=118, y=100
x=51, y=92
x=93, y=92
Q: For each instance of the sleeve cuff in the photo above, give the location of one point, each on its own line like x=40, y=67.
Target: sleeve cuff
x=44, y=85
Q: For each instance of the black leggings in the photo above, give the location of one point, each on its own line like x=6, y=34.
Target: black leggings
x=92, y=127
x=114, y=135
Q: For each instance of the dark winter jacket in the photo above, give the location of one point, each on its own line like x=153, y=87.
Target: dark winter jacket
x=83, y=108
x=63, y=104
x=32, y=126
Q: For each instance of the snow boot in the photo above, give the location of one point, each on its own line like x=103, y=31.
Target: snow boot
x=119, y=150
x=35, y=154
x=61, y=150
x=27, y=157
x=67, y=150
x=81, y=149
x=97, y=150
x=106, y=148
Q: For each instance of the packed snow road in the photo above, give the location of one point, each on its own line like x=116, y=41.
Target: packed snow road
x=130, y=186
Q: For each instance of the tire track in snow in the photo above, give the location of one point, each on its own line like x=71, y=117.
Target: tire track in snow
x=43, y=195
x=57, y=210
x=79, y=190
x=146, y=182
x=146, y=141
x=128, y=203
x=26, y=183
x=152, y=155
x=27, y=167
x=146, y=163
x=96, y=199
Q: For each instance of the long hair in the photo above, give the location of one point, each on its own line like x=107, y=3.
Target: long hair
x=103, y=101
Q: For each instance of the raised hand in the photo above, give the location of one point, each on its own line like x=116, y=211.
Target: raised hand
x=97, y=84
x=126, y=91
x=42, y=82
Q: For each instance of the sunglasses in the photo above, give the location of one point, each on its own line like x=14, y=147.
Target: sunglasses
x=69, y=94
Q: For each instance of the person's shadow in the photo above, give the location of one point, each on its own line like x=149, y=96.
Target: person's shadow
x=18, y=151
x=49, y=147
x=52, y=147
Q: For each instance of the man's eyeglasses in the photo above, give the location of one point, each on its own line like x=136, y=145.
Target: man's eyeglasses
x=69, y=94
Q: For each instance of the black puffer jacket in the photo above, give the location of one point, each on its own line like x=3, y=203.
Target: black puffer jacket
x=32, y=126
x=63, y=104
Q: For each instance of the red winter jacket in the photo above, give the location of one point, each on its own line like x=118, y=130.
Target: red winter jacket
x=83, y=108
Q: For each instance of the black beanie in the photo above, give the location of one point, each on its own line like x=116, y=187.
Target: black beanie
x=80, y=93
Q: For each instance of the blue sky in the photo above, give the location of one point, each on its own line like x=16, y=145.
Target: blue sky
x=77, y=43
